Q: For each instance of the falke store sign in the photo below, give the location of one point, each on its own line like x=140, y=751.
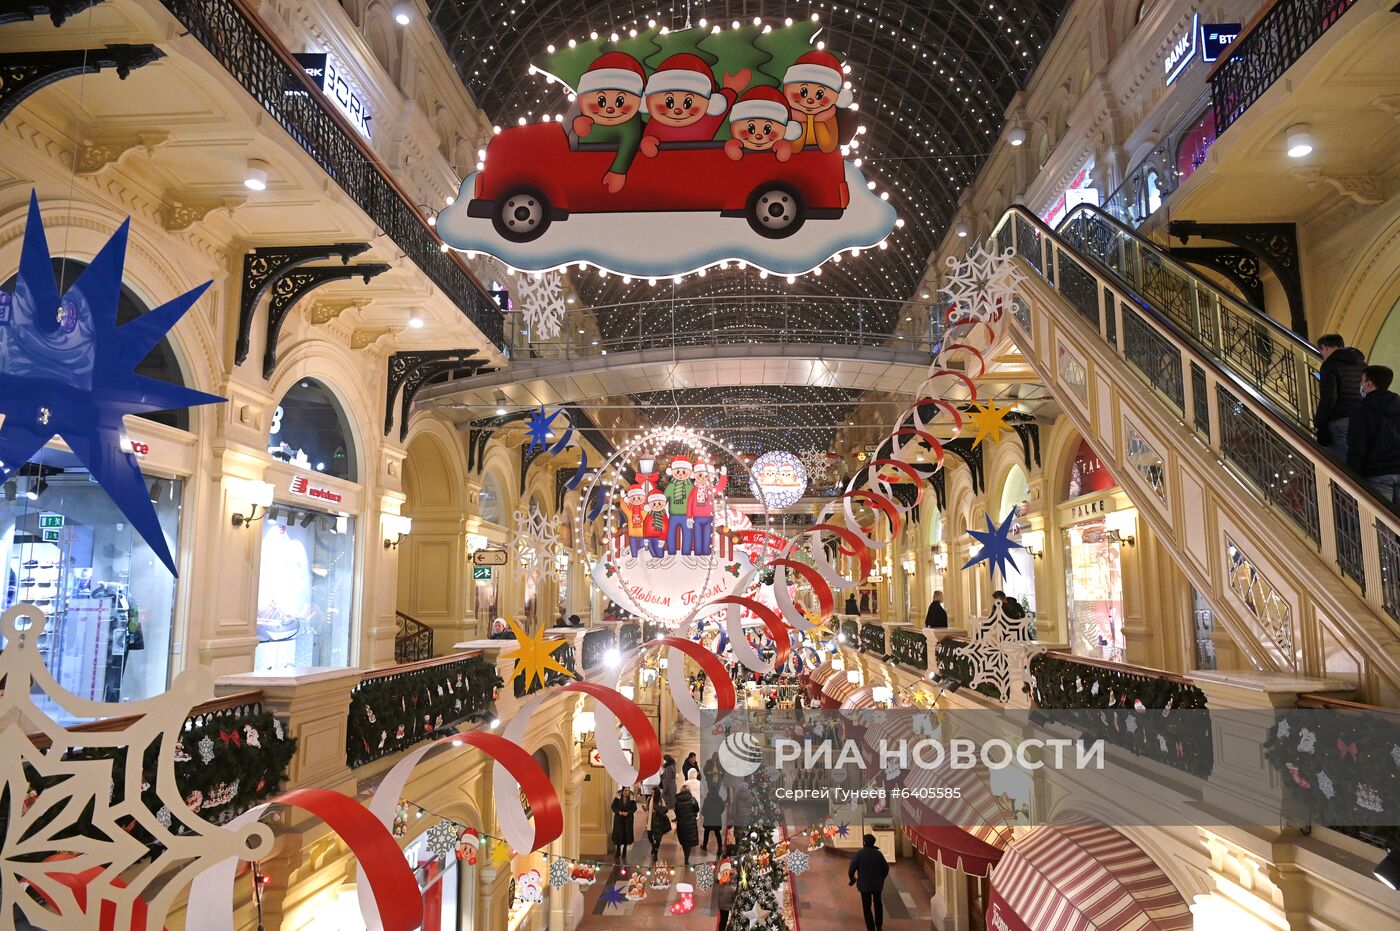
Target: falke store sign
x=301, y=485
x=331, y=80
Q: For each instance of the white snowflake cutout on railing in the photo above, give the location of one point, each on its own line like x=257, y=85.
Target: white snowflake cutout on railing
x=982, y=281
x=816, y=462
x=541, y=297
x=536, y=541
x=999, y=645
x=83, y=813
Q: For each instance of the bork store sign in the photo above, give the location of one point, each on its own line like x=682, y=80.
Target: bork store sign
x=332, y=81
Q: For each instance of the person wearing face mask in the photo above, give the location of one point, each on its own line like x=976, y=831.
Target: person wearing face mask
x=1373, y=436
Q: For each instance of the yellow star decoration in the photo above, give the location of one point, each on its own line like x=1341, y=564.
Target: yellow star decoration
x=990, y=421
x=500, y=853
x=533, y=655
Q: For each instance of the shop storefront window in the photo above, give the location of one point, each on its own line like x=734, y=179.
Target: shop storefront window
x=305, y=587
x=1095, y=589
x=110, y=601
x=1020, y=582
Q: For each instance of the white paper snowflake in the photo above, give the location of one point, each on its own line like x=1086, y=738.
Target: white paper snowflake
x=1307, y=740
x=816, y=462
x=441, y=839
x=1324, y=784
x=541, y=297
x=999, y=644
x=1284, y=729
x=798, y=862
x=981, y=282
x=558, y=872
x=536, y=541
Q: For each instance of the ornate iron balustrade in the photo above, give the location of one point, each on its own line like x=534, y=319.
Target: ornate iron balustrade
x=596, y=644
x=910, y=647
x=1265, y=355
x=269, y=73
x=628, y=637
x=392, y=709
x=1261, y=56
x=1128, y=706
x=850, y=629
x=1244, y=384
x=872, y=639
x=413, y=640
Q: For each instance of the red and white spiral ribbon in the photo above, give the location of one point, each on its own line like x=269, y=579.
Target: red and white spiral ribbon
x=715, y=671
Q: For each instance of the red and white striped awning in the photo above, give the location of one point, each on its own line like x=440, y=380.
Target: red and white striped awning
x=819, y=676
x=861, y=697
x=1082, y=877
x=839, y=688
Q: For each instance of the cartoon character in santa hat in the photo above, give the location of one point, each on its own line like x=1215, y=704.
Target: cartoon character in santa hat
x=814, y=89
x=610, y=110
x=700, y=506
x=634, y=509
x=657, y=523
x=760, y=122
x=682, y=103
x=678, y=538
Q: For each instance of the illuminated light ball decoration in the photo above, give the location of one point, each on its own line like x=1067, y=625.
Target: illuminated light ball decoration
x=663, y=588
x=778, y=480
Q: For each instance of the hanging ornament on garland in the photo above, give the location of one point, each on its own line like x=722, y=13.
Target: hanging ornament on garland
x=583, y=874
x=529, y=887
x=660, y=878
x=467, y=846
x=558, y=872
x=685, y=899
x=705, y=876
x=400, y=825
x=798, y=862
x=637, y=886
x=441, y=839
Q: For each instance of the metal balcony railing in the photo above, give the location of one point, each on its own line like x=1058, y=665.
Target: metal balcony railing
x=268, y=72
x=1243, y=383
x=1267, y=48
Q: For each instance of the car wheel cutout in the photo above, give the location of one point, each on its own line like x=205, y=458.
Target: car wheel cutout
x=521, y=215
x=775, y=211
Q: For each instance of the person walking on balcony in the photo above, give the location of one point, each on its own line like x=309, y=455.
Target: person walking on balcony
x=937, y=616
x=867, y=873
x=1339, y=391
x=1373, y=436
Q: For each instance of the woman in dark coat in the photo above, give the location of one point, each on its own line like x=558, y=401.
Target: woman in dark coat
x=624, y=808
x=668, y=780
x=660, y=823
x=712, y=816
x=687, y=827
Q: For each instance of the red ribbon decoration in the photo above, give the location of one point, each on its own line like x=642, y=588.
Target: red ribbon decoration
x=964, y=347
x=854, y=545
x=777, y=627
x=909, y=473
x=710, y=663
x=924, y=435
x=232, y=737
x=632, y=717
x=826, y=601
x=1343, y=748
x=881, y=502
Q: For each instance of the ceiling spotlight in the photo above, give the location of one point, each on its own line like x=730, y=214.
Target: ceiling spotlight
x=403, y=12
x=255, y=177
x=415, y=321
x=963, y=230
x=1299, y=139
x=1388, y=870
x=1016, y=136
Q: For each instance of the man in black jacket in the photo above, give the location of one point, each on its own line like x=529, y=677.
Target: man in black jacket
x=1373, y=439
x=1339, y=391
x=937, y=616
x=867, y=873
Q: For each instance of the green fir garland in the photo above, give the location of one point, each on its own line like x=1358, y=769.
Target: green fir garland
x=910, y=647
x=392, y=712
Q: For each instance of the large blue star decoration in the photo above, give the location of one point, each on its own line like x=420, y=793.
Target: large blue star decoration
x=843, y=829
x=996, y=546
x=68, y=370
x=611, y=895
x=538, y=428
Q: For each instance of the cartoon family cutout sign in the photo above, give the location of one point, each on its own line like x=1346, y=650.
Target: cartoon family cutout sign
x=673, y=546
x=679, y=132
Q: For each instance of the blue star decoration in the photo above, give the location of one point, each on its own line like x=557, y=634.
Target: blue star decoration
x=611, y=895
x=996, y=547
x=68, y=370
x=843, y=829
x=538, y=428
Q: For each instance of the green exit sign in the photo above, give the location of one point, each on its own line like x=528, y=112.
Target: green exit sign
x=482, y=573
x=50, y=535
x=50, y=520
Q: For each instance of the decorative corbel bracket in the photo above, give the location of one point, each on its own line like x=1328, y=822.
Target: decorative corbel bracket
x=1274, y=244
x=58, y=11
x=407, y=371
x=295, y=285
x=24, y=73
x=1239, y=265
x=972, y=455
x=264, y=267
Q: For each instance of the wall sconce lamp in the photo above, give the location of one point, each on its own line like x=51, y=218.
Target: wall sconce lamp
x=1121, y=526
x=585, y=723
x=248, y=495
x=396, y=527
x=1034, y=543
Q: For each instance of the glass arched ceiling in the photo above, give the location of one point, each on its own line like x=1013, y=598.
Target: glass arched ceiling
x=933, y=76
x=755, y=419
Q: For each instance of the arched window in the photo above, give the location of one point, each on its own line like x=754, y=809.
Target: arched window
x=1151, y=192
x=159, y=364
x=493, y=500
x=1015, y=492
x=310, y=430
